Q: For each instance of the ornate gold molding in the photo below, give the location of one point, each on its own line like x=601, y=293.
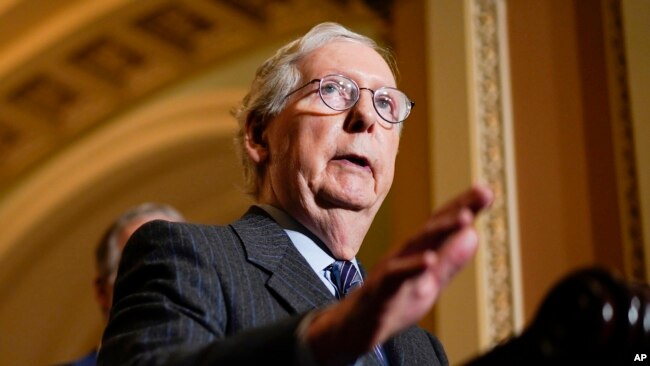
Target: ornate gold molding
x=495, y=167
x=623, y=139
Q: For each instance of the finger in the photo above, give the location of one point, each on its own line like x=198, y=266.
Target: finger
x=392, y=273
x=455, y=254
x=476, y=198
x=453, y=216
x=460, y=211
x=437, y=230
x=451, y=220
x=480, y=197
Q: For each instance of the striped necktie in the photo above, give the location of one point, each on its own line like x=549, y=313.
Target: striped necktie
x=346, y=278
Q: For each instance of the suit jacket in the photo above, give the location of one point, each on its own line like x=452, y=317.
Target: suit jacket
x=229, y=295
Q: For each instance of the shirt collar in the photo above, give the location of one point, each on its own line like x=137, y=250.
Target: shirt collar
x=311, y=247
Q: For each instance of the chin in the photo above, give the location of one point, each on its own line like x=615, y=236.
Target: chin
x=345, y=253
x=353, y=201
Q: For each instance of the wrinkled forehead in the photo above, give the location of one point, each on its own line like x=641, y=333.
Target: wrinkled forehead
x=351, y=58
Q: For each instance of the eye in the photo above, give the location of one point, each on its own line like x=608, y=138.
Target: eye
x=329, y=87
x=385, y=103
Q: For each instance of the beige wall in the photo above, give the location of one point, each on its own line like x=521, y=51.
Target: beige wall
x=550, y=145
x=566, y=159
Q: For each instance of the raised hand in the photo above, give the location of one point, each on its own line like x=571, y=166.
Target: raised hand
x=404, y=285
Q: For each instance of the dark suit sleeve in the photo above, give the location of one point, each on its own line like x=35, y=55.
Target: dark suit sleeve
x=439, y=350
x=415, y=346
x=169, y=309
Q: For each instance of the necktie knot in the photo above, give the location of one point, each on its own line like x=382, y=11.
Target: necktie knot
x=345, y=277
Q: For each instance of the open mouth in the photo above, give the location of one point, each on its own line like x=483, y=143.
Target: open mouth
x=357, y=160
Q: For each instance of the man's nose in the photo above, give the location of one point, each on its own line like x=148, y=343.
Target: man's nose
x=363, y=115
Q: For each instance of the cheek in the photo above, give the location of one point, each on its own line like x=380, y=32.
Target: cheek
x=389, y=151
x=313, y=147
x=295, y=154
x=389, y=154
x=280, y=149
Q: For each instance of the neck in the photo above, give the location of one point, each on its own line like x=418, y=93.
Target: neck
x=342, y=231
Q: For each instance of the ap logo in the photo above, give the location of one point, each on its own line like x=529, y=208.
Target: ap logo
x=640, y=357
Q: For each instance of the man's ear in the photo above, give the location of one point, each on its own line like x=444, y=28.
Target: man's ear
x=255, y=141
x=101, y=294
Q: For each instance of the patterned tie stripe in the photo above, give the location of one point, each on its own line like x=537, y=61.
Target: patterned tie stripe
x=346, y=278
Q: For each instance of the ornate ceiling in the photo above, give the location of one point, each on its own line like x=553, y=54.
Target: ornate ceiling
x=67, y=66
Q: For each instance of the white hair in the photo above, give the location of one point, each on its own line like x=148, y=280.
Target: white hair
x=276, y=78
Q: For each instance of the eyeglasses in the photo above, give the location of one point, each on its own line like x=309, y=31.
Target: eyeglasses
x=341, y=93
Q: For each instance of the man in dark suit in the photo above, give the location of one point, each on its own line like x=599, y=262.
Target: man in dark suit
x=108, y=253
x=319, y=132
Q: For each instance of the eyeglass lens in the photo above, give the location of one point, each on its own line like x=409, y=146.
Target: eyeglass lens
x=341, y=93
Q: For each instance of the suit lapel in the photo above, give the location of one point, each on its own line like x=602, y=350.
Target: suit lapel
x=294, y=282
x=269, y=247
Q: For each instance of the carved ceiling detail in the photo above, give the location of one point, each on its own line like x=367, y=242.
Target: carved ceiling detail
x=113, y=62
x=45, y=96
x=254, y=9
x=178, y=26
x=8, y=139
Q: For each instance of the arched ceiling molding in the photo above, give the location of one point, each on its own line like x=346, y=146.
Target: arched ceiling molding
x=84, y=61
x=29, y=30
x=102, y=154
x=53, y=219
